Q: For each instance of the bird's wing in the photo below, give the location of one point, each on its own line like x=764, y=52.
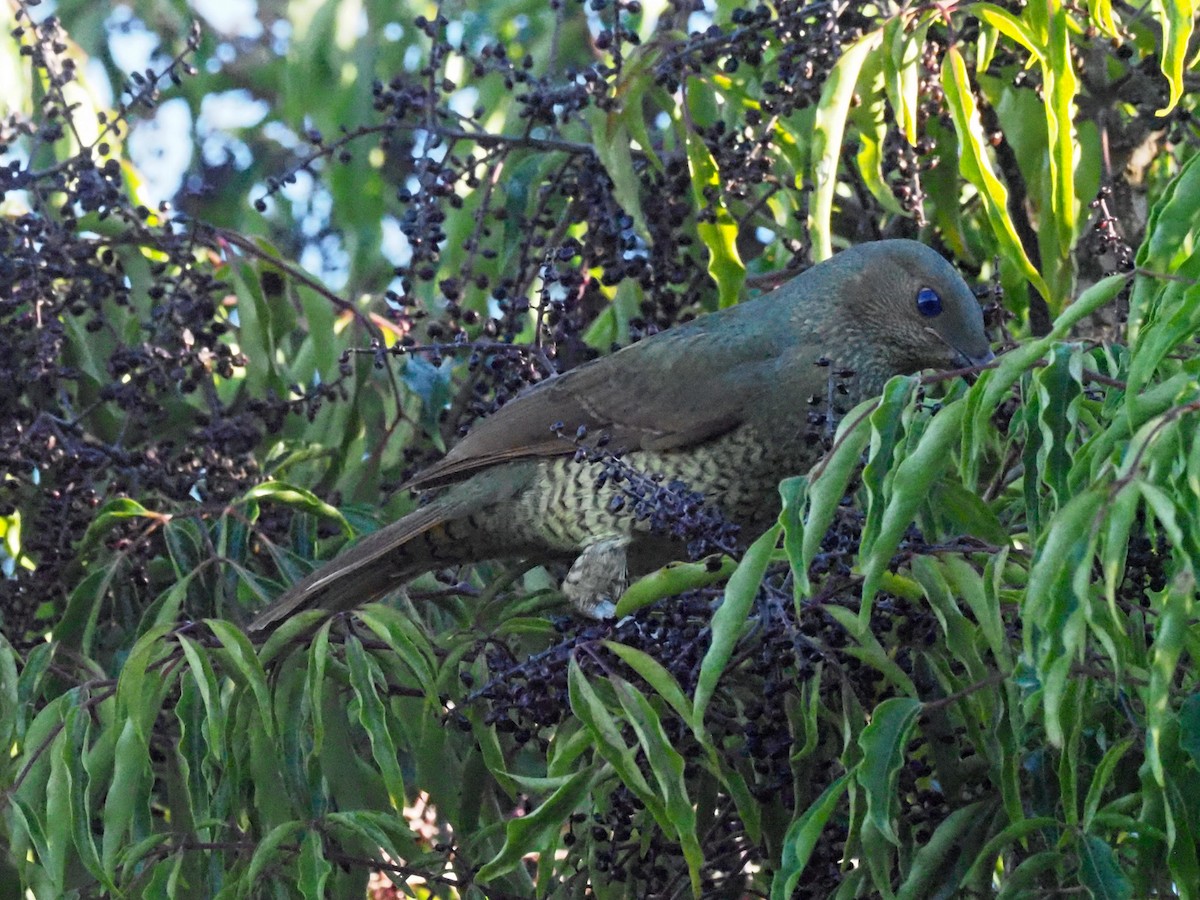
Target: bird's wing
x=679, y=388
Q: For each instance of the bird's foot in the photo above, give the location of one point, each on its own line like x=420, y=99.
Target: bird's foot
x=598, y=577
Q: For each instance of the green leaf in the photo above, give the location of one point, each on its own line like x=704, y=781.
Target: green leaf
x=901, y=68
x=911, y=484
x=869, y=649
x=1026, y=875
x=656, y=675
x=1174, y=619
x=672, y=580
x=667, y=766
x=209, y=689
x=1178, y=323
x=59, y=823
x=1170, y=231
x=590, y=709
x=12, y=713
x=270, y=851
x=1100, y=872
x=976, y=167
x=373, y=717
x=129, y=793
x=802, y=836
x=1189, y=728
x=406, y=641
x=985, y=860
x=887, y=429
x=935, y=862
x=717, y=228
x=830, y=125
x=1010, y=26
x=1101, y=14
x=529, y=833
x=1178, y=18
x=318, y=658
x=984, y=606
x=966, y=513
x=299, y=499
x=883, y=744
x=314, y=869
x=870, y=161
x=1057, y=386
x=245, y=664
x=1100, y=778
x=432, y=386
x=111, y=514
x=809, y=506
x=611, y=140
x=1060, y=89
x=730, y=618
x=1054, y=622
x=959, y=631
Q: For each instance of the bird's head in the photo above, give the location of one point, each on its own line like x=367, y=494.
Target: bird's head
x=905, y=309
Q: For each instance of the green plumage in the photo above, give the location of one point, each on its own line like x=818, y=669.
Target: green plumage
x=729, y=404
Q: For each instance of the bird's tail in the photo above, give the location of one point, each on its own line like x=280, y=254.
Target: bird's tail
x=457, y=527
x=365, y=571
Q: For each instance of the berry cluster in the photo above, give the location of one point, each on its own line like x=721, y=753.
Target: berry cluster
x=113, y=336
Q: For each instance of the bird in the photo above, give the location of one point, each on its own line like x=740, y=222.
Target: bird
x=723, y=404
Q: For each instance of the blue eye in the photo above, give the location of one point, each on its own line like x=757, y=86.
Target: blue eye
x=929, y=304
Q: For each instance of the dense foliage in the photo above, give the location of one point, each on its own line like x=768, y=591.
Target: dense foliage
x=965, y=668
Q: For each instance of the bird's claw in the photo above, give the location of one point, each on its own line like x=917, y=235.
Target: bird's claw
x=598, y=577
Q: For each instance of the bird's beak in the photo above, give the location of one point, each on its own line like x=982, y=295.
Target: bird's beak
x=967, y=361
x=962, y=359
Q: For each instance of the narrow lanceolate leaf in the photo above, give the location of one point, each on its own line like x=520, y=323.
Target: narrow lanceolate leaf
x=313, y=869
x=1053, y=618
x=976, y=167
x=717, y=228
x=883, y=742
x=1169, y=637
x=300, y=499
x=802, y=836
x=935, y=863
x=606, y=733
x=830, y=125
x=822, y=494
x=1101, y=13
x=530, y=832
x=12, y=715
x=730, y=618
x=1101, y=777
x=994, y=385
x=902, y=68
x=130, y=790
x=666, y=764
x=244, y=662
x=914, y=477
x=1178, y=18
x=1100, y=870
x=1012, y=27
x=985, y=860
x=372, y=714
x=1061, y=86
x=1172, y=225
x=1176, y=321
x=886, y=431
x=1050, y=47
x=673, y=579
x=656, y=675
